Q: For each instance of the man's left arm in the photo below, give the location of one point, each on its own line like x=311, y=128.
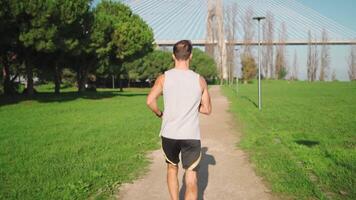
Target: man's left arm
x=152, y=97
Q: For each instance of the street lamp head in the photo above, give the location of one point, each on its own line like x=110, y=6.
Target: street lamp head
x=258, y=18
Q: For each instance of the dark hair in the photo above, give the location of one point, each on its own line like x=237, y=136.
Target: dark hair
x=182, y=49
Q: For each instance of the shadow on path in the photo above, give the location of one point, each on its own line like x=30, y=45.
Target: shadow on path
x=203, y=174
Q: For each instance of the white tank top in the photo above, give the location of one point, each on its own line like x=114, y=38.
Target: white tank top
x=181, y=96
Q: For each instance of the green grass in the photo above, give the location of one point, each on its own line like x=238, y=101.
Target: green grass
x=304, y=140
x=73, y=146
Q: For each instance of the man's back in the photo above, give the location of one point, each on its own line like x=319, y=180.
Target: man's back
x=182, y=97
x=185, y=94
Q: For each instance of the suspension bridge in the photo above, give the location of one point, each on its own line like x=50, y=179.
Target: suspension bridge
x=173, y=20
x=254, y=43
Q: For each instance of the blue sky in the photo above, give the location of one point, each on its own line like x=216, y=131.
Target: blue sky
x=341, y=11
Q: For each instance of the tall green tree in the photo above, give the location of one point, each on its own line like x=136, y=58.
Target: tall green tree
x=74, y=21
x=119, y=35
x=8, y=45
x=75, y=50
x=36, y=32
x=43, y=33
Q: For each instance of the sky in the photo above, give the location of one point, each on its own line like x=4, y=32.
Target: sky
x=341, y=11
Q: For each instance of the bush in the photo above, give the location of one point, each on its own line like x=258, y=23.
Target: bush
x=203, y=64
x=158, y=61
x=282, y=73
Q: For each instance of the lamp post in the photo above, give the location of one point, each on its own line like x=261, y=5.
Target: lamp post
x=237, y=76
x=259, y=61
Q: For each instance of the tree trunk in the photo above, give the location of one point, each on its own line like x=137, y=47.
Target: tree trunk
x=29, y=73
x=81, y=79
x=57, y=79
x=8, y=89
x=120, y=83
x=113, y=81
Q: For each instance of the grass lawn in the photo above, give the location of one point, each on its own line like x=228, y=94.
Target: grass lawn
x=73, y=146
x=303, y=142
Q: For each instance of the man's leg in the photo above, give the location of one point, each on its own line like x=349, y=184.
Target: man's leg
x=191, y=182
x=191, y=156
x=172, y=181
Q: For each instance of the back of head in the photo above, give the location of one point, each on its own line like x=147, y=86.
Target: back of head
x=182, y=49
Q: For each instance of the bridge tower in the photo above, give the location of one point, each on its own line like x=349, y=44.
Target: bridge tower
x=210, y=29
x=216, y=33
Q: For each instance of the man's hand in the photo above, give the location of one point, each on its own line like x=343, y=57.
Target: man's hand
x=160, y=115
x=205, y=104
x=152, y=97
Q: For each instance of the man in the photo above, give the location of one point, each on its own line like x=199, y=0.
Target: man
x=185, y=94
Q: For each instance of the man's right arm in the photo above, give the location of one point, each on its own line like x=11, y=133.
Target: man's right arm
x=152, y=97
x=205, y=104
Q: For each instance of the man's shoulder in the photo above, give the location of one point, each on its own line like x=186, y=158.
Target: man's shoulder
x=194, y=72
x=168, y=71
x=161, y=77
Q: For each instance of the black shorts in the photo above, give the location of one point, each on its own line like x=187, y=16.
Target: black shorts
x=190, y=152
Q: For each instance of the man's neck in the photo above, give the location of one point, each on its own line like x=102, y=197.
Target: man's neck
x=184, y=64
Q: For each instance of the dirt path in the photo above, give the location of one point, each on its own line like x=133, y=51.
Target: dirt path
x=225, y=172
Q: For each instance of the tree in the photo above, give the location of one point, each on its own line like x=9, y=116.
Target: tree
x=36, y=33
x=74, y=23
x=281, y=62
x=132, y=70
x=249, y=68
x=248, y=30
x=121, y=35
x=247, y=61
x=352, y=63
x=315, y=59
x=210, y=29
x=8, y=39
x=312, y=62
x=158, y=61
x=267, y=50
x=43, y=33
x=333, y=76
x=309, y=58
x=149, y=66
x=230, y=30
x=294, y=73
x=221, y=41
x=324, y=57
x=10, y=71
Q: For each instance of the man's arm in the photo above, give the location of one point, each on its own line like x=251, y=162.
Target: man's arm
x=155, y=92
x=205, y=104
